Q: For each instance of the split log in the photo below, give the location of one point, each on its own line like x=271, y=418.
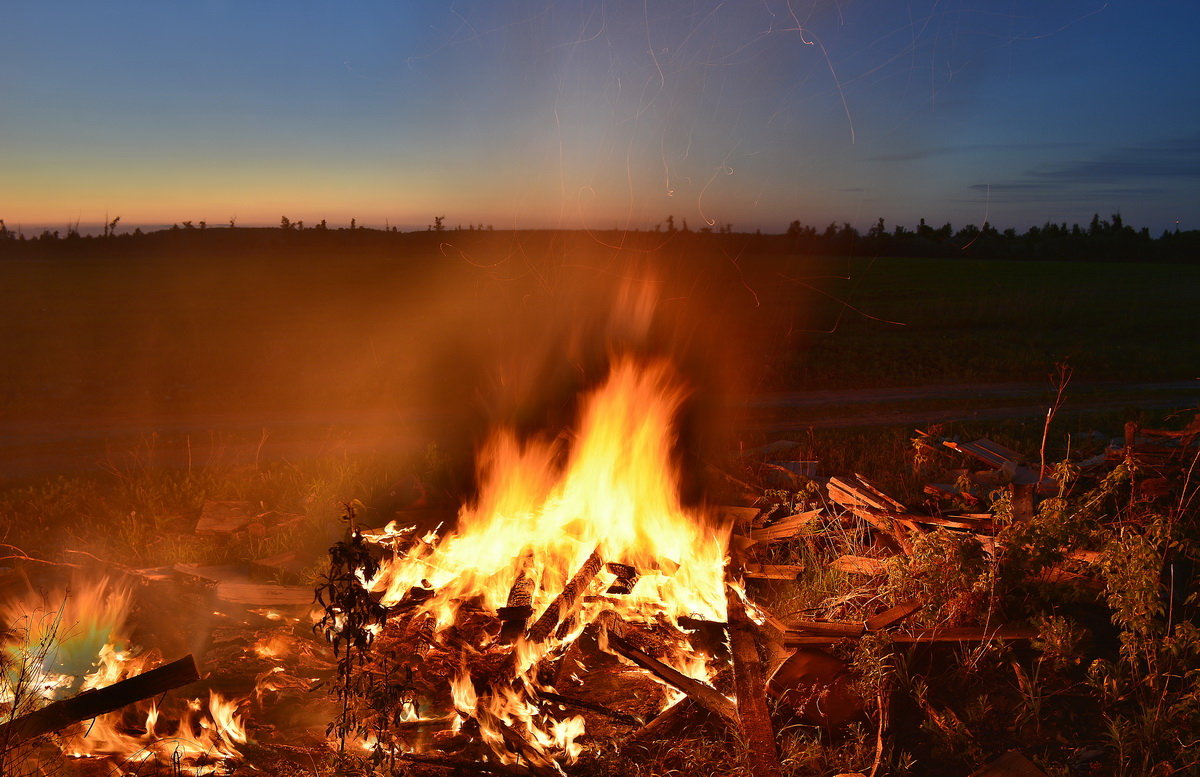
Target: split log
x=704, y=695
x=567, y=599
x=762, y=754
x=89, y=704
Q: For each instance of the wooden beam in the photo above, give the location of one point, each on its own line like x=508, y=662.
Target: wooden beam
x=572, y=592
x=89, y=704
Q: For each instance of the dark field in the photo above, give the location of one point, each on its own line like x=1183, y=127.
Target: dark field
x=307, y=342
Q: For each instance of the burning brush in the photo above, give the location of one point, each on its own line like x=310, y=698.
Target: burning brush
x=464, y=645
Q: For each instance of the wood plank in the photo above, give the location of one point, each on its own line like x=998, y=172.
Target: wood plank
x=892, y=615
x=826, y=628
x=89, y=704
x=785, y=527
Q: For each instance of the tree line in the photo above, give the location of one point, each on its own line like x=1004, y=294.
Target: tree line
x=1100, y=240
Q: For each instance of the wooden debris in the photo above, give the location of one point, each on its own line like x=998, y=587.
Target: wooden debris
x=704, y=695
x=785, y=528
x=874, y=507
x=559, y=609
x=824, y=628
x=1011, y=764
x=991, y=453
x=750, y=687
x=89, y=704
x=518, y=609
x=892, y=615
x=772, y=571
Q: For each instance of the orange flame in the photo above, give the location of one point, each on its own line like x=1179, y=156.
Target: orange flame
x=542, y=512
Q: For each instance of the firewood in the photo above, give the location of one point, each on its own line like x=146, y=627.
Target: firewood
x=518, y=610
x=567, y=599
x=627, y=577
x=705, y=695
x=755, y=719
x=89, y=704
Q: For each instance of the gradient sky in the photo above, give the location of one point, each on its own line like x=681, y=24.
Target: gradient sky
x=601, y=114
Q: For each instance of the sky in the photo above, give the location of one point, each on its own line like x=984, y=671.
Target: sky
x=585, y=113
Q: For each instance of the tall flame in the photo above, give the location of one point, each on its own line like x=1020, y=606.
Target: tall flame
x=546, y=510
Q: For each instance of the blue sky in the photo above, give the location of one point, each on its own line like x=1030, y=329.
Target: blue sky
x=601, y=114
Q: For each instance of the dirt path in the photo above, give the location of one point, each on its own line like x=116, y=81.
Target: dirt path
x=48, y=446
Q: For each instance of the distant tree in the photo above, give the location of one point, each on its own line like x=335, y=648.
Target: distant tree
x=188, y=225
x=5, y=234
x=354, y=223
x=137, y=231
x=322, y=225
x=232, y=222
x=284, y=223
x=670, y=223
x=684, y=228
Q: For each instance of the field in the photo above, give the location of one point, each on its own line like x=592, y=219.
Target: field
x=299, y=372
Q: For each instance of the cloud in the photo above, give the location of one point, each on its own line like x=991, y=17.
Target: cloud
x=1172, y=159
x=973, y=148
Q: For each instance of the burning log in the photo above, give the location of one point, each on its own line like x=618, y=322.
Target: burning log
x=89, y=704
x=560, y=608
x=627, y=577
x=518, y=608
x=704, y=695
